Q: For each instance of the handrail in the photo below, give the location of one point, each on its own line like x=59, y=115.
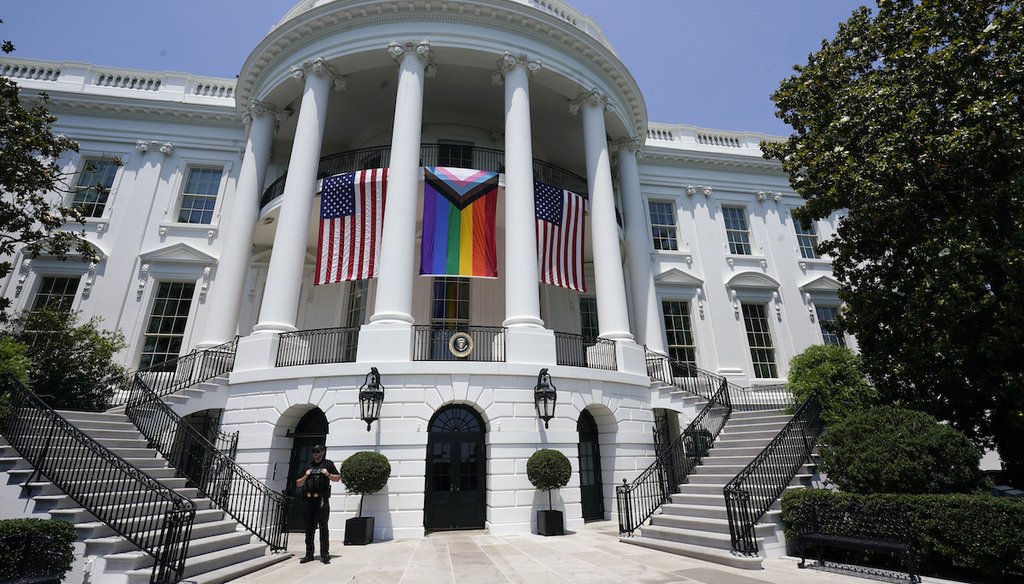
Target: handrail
x=432, y=343
x=133, y=504
x=575, y=350
x=318, y=346
x=701, y=383
x=178, y=373
x=248, y=500
x=750, y=494
x=488, y=159
x=638, y=500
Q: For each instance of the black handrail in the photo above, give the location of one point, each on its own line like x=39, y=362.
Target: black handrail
x=638, y=500
x=133, y=504
x=579, y=351
x=701, y=383
x=326, y=345
x=750, y=494
x=488, y=159
x=178, y=373
x=249, y=501
x=434, y=343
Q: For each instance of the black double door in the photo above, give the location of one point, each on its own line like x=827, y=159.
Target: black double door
x=456, y=493
x=591, y=488
x=310, y=431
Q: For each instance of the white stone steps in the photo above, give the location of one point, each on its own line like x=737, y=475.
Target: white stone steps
x=207, y=562
x=197, y=547
x=715, y=555
x=704, y=524
x=238, y=570
x=113, y=544
x=97, y=529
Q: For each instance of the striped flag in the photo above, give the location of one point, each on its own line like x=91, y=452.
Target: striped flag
x=560, y=236
x=459, y=222
x=351, y=219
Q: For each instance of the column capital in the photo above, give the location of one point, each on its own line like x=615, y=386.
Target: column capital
x=258, y=108
x=592, y=97
x=509, y=61
x=319, y=66
x=629, y=144
x=420, y=49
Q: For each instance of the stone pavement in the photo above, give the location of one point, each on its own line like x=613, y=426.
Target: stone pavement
x=592, y=555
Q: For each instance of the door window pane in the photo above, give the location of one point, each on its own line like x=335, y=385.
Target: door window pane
x=167, y=321
x=681, y=345
x=759, y=338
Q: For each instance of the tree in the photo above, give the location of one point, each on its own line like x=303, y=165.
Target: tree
x=548, y=469
x=72, y=363
x=31, y=183
x=909, y=125
x=365, y=473
x=836, y=375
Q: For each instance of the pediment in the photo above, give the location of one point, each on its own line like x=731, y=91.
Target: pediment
x=181, y=253
x=677, y=277
x=755, y=280
x=822, y=284
x=72, y=253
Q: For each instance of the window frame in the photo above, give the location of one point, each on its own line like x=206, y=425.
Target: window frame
x=744, y=212
x=756, y=363
x=801, y=238
x=41, y=280
x=217, y=197
x=458, y=322
x=78, y=170
x=674, y=237
x=840, y=338
x=691, y=348
x=590, y=301
x=183, y=336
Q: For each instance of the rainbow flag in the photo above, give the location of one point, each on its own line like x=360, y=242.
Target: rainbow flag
x=459, y=232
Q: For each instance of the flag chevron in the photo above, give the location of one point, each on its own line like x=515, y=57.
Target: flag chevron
x=460, y=186
x=459, y=223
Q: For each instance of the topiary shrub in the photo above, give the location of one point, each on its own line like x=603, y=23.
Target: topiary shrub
x=835, y=373
x=365, y=473
x=895, y=450
x=61, y=553
x=548, y=470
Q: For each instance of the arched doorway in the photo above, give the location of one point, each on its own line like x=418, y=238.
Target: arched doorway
x=311, y=430
x=456, y=491
x=591, y=489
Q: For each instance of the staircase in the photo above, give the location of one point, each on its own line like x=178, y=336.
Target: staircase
x=694, y=522
x=219, y=549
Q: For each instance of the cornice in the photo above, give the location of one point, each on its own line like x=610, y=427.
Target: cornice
x=714, y=159
x=136, y=109
x=283, y=43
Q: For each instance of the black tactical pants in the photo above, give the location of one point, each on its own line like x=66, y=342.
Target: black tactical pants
x=318, y=510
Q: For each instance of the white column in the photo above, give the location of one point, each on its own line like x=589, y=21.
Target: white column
x=522, y=298
x=388, y=337
x=284, y=276
x=646, y=316
x=226, y=292
x=612, y=317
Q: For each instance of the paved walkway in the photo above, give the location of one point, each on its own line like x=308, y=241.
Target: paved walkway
x=592, y=555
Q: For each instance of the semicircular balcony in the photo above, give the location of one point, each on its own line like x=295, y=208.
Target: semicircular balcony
x=488, y=159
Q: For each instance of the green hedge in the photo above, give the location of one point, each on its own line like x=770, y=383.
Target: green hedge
x=62, y=533
x=953, y=535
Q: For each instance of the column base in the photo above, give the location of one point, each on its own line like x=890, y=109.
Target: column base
x=256, y=352
x=274, y=327
x=385, y=342
x=631, y=357
x=523, y=321
x=391, y=318
x=530, y=345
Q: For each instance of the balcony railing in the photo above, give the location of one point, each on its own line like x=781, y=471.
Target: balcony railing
x=579, y=351
x=315, y=347
x=462, y=343
x=487, y=159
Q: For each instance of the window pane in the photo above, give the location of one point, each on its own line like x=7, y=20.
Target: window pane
x=451, y=302
x=663, y=225
x=199, y=197
x=807, y=239
x=455, y=155
x=678, y=332
x=167, y=322
x=588, y=317
x=93, y=186
x=759, y=338
x=55, y=294
x=736, y=230
x=827, y=317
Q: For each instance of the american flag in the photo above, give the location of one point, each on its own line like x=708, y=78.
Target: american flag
x=351, y=218
x=560, y=236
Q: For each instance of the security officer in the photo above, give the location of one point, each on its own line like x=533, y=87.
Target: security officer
x=316, y=493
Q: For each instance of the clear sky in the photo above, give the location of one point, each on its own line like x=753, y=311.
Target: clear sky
x=710, y=63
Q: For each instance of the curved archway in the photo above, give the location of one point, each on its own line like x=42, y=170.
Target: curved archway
x=591, y=486
x=455, y=495
x=311, y=429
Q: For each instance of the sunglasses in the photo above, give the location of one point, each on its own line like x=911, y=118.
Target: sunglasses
x=317, y=451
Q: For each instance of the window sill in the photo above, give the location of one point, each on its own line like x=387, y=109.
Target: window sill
x=188, y=230
x=767, y=381
x=673, y=255
x=804, y=263
x=746, y=260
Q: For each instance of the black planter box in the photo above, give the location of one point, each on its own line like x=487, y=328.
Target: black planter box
x=550, y=523
x=359, y=531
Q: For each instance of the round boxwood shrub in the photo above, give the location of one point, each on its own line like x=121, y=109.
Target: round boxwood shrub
x=60, y=552
x=835, y=373
x=895, y=450
x=365, y=473
x=547, y=470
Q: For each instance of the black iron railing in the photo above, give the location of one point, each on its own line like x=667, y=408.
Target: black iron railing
x=579, y=351
x=133, y=504
x=638, y=500
x=328, y=345
x=436, y=343
x=752, y=492
x=248, y=500
x=487, y=159
x=178, y=373
x=699, y=382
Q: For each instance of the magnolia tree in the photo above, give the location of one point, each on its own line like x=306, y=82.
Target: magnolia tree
x=909, y=125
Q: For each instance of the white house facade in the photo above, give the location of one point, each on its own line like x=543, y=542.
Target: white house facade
x=203, y=199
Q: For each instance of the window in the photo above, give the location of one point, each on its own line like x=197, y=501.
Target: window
x=167, y=322
x=455, y=154
x=736, y=230
x=55, y=293
x=355, y=313
x=451, y=302
x=807, y=239
x=827, y=320
x=199, y=197
x=678, y=332
x=93, y=187
x=588, y=318
x=663, y=225
x=759, y=338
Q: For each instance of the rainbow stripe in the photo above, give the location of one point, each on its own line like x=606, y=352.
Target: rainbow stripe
x=459, y=223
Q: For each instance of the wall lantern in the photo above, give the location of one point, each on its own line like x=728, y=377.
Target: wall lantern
x=544, y=397
x=371, y=396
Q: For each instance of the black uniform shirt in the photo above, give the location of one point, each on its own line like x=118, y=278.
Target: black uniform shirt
x=316, y=482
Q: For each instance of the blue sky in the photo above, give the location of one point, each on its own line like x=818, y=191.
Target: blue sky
x=710, y=63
